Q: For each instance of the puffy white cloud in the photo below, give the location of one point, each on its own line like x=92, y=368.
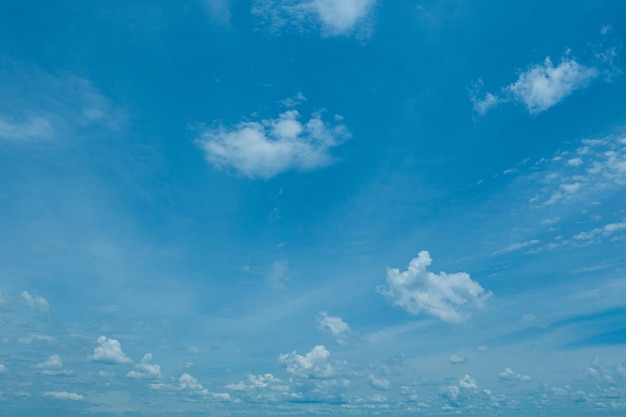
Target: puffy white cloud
x=449, y=297
x=145, y=369
x=267, y=148
x=334, y=17
x=379, y=383
x=312, y=365
x=109, y=351
x=64, y=395
x=188, y=383
x=335, y=326
x=2, y=368
x=35, y=302
x=543, y=86
x=468, y=382
x=510, y=375
x=456, y=359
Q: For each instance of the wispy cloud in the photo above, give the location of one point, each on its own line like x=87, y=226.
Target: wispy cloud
x=338, y=328
x=270, y=147
x=35, y=302
x=542, y=86
x=446, y=296
x=332, y=17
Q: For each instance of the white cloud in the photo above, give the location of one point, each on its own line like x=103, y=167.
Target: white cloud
x=543, y=86
x=53, y=361
x=312, y=365
x=146, y=369
x=379, y=383
x=191, y=384
x=510, y=375
x=449, y=297
x=34, y=302
x=270, y=147
x=2, y=368
x=109, y=351
x=482, y=105
x=468, y=383
x=456, y=359
x=333, y=17
x=517, y=246
x=335, y=326
x=568, y=178
x=64, y=395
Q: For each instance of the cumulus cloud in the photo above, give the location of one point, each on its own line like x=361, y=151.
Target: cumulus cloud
x=109, y=351
x=333, y=17
x=63, y=395
x=270, y=147
x=450, y=297
x=35, y=302
x=456, y=359
x=312, y=365
x=510, y=375
x=379, y=383
x=145, y=369
x=188, y=383
x=338, y=328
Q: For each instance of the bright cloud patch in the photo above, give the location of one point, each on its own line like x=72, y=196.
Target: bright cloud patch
x=543, y=86
x=449, y=297
x=270, y=147
x=109, y=351
x=312, y=365
x=190, y=384
x=510, y=375
x=64, y=395
x=146, y=369
x=34, y=302
x=540, y=87
x=333, y=17
x=335, y=326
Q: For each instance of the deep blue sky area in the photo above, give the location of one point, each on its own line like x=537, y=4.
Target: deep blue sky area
x=312, y=207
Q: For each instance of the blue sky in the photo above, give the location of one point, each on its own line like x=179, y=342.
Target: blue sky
x=312, y=207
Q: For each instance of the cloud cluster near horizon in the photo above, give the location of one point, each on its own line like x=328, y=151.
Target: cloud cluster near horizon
x=272, y=146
